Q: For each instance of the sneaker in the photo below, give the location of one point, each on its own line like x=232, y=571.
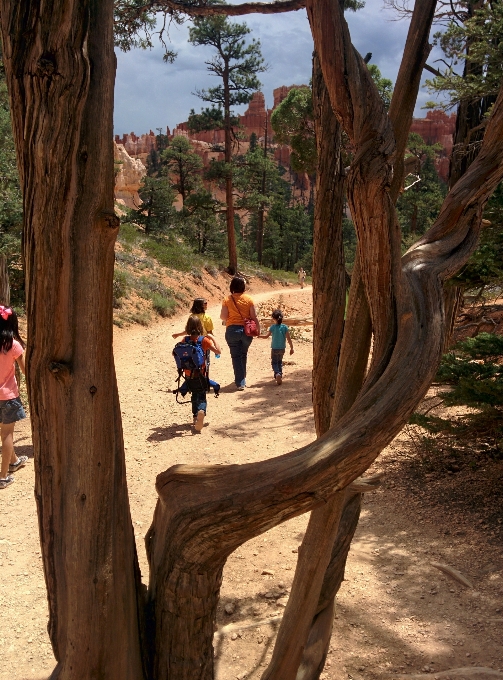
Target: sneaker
x=278, y=379
x=240, y=388
x=4, y=483
x=21, y=462
x=199, y=421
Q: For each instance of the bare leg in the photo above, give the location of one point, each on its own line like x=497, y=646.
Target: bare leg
x=8, y=455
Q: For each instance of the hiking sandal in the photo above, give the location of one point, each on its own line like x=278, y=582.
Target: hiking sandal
x=4, y=483
x=21, y=462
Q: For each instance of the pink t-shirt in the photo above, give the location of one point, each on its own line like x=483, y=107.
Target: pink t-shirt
x=8, y=385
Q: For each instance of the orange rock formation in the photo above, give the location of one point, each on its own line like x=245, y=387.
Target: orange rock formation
x=437, y=128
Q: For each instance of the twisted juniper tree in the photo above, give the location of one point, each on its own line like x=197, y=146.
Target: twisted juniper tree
x=60, y=70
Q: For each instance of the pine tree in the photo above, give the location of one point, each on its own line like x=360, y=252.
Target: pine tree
x=237, y=65
x=156, y=212
x=182, y=166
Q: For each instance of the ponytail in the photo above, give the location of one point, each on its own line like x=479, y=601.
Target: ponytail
x=277, y=316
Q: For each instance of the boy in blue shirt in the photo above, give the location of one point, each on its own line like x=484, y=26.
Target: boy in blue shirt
x=280, y=334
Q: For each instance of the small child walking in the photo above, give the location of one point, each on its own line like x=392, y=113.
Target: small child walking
x=280, y=334
x=11, y=409
x=195, y=333
x=198, y=308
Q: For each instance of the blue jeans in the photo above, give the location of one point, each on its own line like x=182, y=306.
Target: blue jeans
x=277, y=360
x=239, y=343
x=198, y=400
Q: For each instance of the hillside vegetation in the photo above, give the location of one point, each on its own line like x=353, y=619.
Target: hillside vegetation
x=157, y=275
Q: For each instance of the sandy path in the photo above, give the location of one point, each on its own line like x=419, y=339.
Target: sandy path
x=395, y=611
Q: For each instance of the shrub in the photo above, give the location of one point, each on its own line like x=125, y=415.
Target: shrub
x=121, y=284
x=129, y=234
x=163, y=306
x=171, y=253
x=474, y=374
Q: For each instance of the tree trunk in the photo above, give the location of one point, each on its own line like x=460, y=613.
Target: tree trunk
x=297, y=644
x=329, y=273
x=59, y=64
x=284, y=659
x=260, y=216
x=467, y=138
x=4, y=282
x=229, y=196
x=260, y=234
x=60, y=68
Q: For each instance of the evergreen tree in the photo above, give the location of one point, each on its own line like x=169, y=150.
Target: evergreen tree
x=474, y=374
x=182, y=166
x=257, y=179
x=480, y=38
x=384, y=85
x=153, y=162
x=237, y=65
x=292, y=122
x=484, y=269
x=418, y=205
x=156, y=213
x=288, y=235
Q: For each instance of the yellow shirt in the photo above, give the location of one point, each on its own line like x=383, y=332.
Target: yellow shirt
x=243, y=302
x=207, y=323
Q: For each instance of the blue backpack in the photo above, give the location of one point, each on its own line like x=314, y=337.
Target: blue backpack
x=190, y=359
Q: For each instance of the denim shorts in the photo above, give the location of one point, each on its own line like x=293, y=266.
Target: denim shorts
x=11, y=410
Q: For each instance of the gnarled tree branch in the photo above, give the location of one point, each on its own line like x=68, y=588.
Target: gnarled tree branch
x=198, y=9
x=204, y=513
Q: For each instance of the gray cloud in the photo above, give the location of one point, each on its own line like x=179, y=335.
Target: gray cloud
x=150, y=93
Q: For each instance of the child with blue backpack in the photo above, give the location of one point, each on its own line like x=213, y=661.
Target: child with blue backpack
x=280, y=334
x=191, y=356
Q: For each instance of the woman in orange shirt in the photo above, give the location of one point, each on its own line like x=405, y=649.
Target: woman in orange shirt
x=235, y=309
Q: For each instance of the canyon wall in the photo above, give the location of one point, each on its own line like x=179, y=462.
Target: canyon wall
x=437, y=128
x=131, y=151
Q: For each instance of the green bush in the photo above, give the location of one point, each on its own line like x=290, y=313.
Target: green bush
x=171, y=252
x=121, y=284
x=146, y=287
x=129, y=234
x=474, y=374
x=471, y=369
x=163, y=306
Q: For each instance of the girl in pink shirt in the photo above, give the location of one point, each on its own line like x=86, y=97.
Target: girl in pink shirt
x=11, y=409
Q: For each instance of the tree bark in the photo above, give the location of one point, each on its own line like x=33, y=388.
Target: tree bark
x=467, y=138
x=329, y=272
x=329, y=297
x=229, y=196
x=261, y=212
x=60, y=68
x=4, y=282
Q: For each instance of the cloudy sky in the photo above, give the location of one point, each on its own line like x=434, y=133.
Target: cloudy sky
x=151, y=94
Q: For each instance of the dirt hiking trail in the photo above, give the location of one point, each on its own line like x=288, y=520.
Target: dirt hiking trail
x=396, y=614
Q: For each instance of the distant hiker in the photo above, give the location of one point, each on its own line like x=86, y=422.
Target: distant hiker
x=198, y=308
x=280, y=335
x=194, y=368
x=238, y=314
x=11, y=409
x=302, y=277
